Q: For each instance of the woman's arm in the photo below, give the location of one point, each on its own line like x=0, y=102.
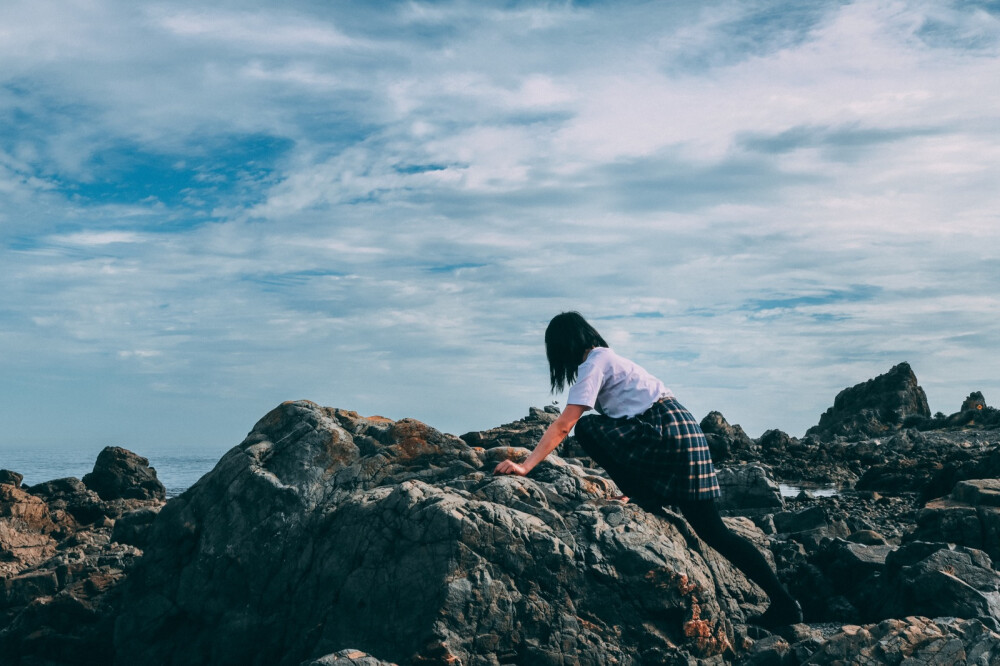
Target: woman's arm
x=554, y=435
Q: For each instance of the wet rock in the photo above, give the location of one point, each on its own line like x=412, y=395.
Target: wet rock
x=874, y=407
x=121, y=474
x=324, y=528
x=748, y=489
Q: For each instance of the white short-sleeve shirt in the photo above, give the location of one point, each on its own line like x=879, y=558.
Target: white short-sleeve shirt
x=614, y=385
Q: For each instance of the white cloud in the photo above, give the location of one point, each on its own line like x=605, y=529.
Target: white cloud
x=454, y=174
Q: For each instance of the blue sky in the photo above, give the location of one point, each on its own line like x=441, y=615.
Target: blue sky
x=209, y=208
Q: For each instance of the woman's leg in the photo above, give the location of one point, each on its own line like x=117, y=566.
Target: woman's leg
x=590, y=435
x=704, y=517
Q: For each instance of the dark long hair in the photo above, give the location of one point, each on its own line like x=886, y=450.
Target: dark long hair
x=567, y=337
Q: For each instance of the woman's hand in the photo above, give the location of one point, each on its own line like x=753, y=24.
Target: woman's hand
x=554, y=434
x=510, y=467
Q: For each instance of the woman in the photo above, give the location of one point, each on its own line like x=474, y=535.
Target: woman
x=647, y=442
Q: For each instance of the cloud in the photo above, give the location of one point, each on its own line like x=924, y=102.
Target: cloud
x=379, y=206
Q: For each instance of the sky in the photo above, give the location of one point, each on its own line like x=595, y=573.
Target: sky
x=209, y=208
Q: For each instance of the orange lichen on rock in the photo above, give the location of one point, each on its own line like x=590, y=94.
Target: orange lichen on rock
x=413, y=439
x=707, y=637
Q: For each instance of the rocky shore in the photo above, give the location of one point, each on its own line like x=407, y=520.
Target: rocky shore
x=329, y=538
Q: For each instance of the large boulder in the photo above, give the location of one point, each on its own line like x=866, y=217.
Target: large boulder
x=874, y=407
x=938, y=580
x=325, y=531
x=969, y=516
x=121, y=474
x=748, y=490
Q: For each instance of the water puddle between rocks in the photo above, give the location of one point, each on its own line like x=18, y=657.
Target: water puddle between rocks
x=816, y=490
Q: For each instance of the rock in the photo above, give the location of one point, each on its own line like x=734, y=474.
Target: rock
x=914, y=641
x=974, y=401
x=324, y=528
x=347, y=658
x=72, y=497
x=936, y=580
x=133, y=527
x=852, y=573
x=523, y=433
x=748, y=489
x=11, y=478
x=20, y=590
x=770, y=651
x=809, y=526
x=776, y=442
x=59, y=573
x=970, y=517
x=978, y=492
x=26, y=529
x=724, y=439
x=121, y=474
x=874, y=407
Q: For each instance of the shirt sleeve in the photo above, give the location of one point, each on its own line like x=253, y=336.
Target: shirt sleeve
x=587, y=387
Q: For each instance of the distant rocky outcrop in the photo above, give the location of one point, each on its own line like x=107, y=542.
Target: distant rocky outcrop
x=121, y=474
x=974, y=401
x=874, y=407
x=724, y=440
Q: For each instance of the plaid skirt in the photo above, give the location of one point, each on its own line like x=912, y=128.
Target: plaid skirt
x=660, y=456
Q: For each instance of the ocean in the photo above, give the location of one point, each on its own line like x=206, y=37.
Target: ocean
x=177, y=469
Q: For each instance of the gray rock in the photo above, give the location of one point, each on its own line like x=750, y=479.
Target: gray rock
x=748, y=489
x=523, y=433
x=970, y=517
x=324, y=529
x=936, y=580
x=810, y=526
x=723, y=439
x=914, y=641
x=121, y=474
x=133, y=527
x=974, y=401
x=347, y=657
x=11, y=478
x=70, y=495
x=874, y=407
